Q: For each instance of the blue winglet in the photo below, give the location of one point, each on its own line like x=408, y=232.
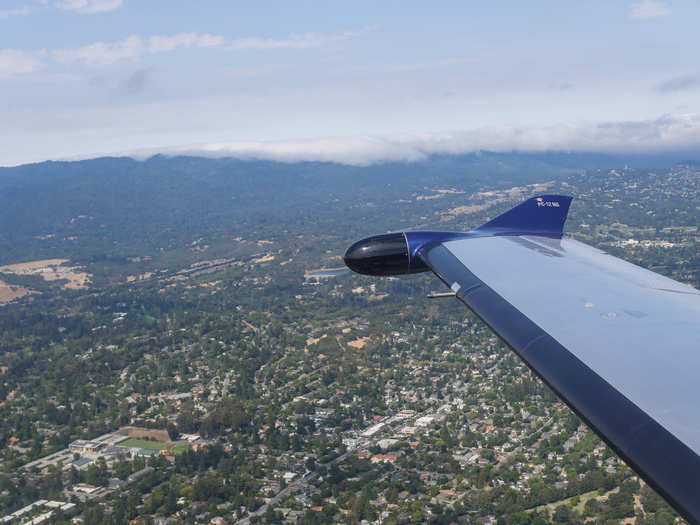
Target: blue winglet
x=542, y=215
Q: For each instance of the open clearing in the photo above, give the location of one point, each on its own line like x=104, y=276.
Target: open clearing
x=179, y=449
x=358, y=343
x=583, y=498
x=488, y=199
x=149, y=433
x=52, y=270
x=10, y=292
x=265, y=258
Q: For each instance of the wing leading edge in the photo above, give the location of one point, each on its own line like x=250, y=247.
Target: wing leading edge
x=619, y=344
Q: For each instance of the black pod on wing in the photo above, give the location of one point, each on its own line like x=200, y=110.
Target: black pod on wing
x=382, y=255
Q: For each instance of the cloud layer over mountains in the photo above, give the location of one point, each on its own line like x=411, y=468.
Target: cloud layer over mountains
x=666, y=133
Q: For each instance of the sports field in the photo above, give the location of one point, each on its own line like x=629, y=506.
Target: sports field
x=143, y=443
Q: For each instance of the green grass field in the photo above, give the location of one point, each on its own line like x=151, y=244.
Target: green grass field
x=179, y=449
x=143, y=443
x=583, y=498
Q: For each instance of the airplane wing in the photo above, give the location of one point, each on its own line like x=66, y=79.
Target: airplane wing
x=618, y=343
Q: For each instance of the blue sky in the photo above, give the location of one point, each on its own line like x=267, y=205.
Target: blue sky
x=353, y=81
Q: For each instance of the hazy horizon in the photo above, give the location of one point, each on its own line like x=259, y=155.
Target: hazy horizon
x=360, y=83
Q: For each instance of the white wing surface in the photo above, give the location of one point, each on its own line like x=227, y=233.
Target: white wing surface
x=618, y=343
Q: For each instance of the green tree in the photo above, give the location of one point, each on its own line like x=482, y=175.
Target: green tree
x=173, y=433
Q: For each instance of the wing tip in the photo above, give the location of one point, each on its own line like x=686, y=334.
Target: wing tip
x=542, y=214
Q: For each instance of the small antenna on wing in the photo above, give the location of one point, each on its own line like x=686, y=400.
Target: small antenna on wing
x=440, y=295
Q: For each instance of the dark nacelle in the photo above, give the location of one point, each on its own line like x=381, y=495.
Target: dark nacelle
x=382, y=255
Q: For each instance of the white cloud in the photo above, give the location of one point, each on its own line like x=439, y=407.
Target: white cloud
x=105, y=53
x=667, y=133
x=133, y=47
x=296, y=41
x=15, y=62
x=160, y=43
x=90, y=6
x=648, y=9
x=20, y=11
x=419, y=66
x=306, y=40
x=353, y=150
x=101, y=53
